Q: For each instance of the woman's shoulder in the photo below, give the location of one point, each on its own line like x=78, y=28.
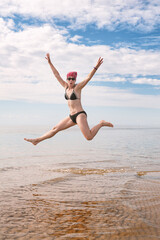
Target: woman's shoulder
x=78, y=87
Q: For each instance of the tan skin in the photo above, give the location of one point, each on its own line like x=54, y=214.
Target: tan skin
x=74, y=106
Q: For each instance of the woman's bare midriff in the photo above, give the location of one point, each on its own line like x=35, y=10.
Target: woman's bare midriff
x=75, y=106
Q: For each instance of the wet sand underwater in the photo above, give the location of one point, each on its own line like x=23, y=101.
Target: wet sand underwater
x=99, y=190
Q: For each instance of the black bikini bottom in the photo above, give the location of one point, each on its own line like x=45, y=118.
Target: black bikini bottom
x=74, y=116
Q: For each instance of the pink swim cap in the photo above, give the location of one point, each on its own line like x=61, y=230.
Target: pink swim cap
x=72, y=74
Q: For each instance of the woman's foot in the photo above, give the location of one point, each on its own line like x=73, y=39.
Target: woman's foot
x=107, y=124
x=33, y=141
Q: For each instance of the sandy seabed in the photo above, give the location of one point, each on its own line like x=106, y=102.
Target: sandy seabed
x=75, y=208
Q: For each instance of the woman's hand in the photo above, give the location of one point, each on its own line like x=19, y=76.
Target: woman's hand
x=99, y=62
x=90, y=75
x=48, y=58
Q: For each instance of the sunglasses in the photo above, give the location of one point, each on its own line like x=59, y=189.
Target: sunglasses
x=70, y=78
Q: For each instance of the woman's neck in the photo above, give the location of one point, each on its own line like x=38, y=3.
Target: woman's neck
x=69, y=87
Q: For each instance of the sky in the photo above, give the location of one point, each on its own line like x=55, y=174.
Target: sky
x=126, y=33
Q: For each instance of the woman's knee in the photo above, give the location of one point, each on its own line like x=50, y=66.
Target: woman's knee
x=55, y=129
x=89, y=137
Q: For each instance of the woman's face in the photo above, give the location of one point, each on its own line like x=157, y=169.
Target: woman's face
x=71, y=81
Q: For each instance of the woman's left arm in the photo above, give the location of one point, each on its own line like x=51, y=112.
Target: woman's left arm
x=90, y=75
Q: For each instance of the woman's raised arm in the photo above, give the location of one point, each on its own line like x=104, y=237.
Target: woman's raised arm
x=55, y=72
x=90, y=75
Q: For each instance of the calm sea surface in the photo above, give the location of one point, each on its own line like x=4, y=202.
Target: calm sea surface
x=70, y=188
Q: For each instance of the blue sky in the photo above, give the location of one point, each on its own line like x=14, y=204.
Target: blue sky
x=125, y=89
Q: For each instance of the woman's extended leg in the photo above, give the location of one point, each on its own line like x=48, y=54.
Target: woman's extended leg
x=62, y=125
x=88, y=133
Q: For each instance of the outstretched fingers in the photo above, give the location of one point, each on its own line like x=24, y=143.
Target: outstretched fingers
x=48, y=58
x=99, y=62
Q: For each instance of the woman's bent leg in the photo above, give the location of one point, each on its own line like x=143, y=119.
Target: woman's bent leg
x=88, y=133
x=64, y=124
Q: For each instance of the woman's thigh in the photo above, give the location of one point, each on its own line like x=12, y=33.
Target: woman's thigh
x=64, y=124
x=83, y=125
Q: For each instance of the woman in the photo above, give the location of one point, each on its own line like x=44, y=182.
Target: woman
x=77, y=114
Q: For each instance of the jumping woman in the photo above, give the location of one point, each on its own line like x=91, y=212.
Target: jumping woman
x=77, y=114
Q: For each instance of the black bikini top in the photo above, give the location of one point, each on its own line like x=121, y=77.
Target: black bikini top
x=72, y=96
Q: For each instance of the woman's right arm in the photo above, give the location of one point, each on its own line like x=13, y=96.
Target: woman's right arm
x=55, y=72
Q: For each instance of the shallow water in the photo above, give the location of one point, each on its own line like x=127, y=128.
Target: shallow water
x=68, y=188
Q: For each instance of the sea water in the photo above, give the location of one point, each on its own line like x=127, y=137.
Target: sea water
x=70, y=188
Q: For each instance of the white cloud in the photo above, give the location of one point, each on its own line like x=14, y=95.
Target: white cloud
x=137, y=14
x=105, y=78
x=91, y=96
x=107, y=96
x=6, y=26
x=150, y=81
x=25, y=74
x=76, y=38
